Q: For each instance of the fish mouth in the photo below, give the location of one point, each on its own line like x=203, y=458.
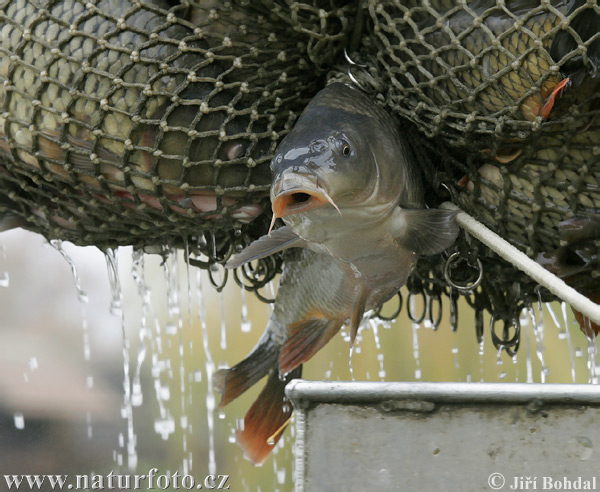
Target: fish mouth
x=298, y=200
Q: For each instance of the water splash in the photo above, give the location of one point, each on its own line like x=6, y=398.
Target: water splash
x=524, y=322
x=415, y=337
x=537, y=325
x=350, y=366
x=116, y=309
x=19, y=421
x=455, y=352
x=57, y=245
x=592, y=351
x=84, y=300
x=500, y=363
x=172, y=280
x=563, y=332
x=223, y=343
x=4, y=277
x=246, y=324
x=88, y=421
x=210, y=370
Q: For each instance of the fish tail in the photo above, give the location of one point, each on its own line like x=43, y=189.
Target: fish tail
x=231, y=383
x=267, y=417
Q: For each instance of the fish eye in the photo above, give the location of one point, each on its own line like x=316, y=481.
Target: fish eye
x=346, y=150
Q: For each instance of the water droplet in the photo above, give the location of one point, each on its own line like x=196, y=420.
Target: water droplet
x=281, y=476
x=57, y=244
x=246, y=324
x=19, y=421
x=223, y=343
x=170, y=328
x=164, y=427
x=4, y=279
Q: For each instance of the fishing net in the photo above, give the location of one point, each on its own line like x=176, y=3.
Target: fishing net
x=153, y=122
x=505, y=97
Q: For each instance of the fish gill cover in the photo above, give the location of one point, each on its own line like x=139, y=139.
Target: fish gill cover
x=145, y=122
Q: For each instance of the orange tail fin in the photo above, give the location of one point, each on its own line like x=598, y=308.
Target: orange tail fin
x=268, y=414
x=231, y=383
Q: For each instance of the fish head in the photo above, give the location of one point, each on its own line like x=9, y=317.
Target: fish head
x=343, y=157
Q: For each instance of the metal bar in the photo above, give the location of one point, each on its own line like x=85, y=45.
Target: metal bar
x=302, y=392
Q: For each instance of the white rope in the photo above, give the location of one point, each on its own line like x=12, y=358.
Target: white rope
x=527, y=265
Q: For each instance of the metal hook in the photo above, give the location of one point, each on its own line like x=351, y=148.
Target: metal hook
x=351, y=61
x=395, y=314
x=506, y=342
x=438, y=319
x=463, y=289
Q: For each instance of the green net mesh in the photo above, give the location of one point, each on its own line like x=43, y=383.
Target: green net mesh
x=506, y=98
x=153, y=122
x=145, y=122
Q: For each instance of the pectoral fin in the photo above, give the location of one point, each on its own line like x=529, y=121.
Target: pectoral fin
x=305, y=339
x=425, y=231
x=280, y=239
x=266, y=418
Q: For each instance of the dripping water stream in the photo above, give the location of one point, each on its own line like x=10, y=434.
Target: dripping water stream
x=116, y=308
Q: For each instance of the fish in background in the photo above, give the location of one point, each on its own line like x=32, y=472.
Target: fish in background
x=100, y=109
x=347, y=186
x=490, y=57
x=576, y=262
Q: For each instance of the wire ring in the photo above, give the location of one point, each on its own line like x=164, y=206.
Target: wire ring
x=463, y=289
x=411, y=315
x=438, y=319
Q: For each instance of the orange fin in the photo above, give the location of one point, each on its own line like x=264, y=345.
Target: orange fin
x=358, y=310
x=305, y=339
x=263, y=424
x=231, y=383
x=545, y=110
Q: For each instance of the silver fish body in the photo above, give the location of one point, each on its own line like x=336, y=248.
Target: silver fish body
x=347, y=183
x=348, y=189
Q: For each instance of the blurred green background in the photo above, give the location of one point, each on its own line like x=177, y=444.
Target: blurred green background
x=64, y=409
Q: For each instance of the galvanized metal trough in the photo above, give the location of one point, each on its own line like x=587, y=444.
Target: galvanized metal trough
x=358, y=436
